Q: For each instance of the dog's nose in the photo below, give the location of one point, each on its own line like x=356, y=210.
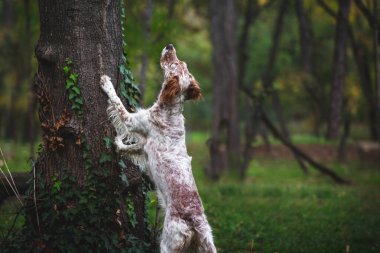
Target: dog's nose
x=169, y=47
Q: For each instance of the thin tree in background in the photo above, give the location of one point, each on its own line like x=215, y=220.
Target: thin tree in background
x=306, y=40
x=269, y=76
x=339, y=70
x=30, y=128
x=376, y=42
x=362, y=55
x=224, y=143
x=146, y=20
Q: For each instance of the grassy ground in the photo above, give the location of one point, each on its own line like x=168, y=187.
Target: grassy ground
x=278, y=209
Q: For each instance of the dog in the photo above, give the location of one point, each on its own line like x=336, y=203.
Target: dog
x=155, y=140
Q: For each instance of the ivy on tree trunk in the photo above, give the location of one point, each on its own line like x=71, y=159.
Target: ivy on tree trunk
x=82, y=203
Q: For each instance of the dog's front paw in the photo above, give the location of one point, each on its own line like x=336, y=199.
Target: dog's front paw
x=105, y=84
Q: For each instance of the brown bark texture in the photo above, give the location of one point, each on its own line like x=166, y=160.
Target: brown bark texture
x=89, y=33
x=224, y=143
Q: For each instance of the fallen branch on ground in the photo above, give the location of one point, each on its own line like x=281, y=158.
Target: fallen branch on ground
x=296, y=151
x=300, y=153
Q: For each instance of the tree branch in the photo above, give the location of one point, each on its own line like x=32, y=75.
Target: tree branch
x=327, y=8
x=300, y=153
x=296, y=151
x=366, y=12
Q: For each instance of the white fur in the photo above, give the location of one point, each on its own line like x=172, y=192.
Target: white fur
x=155, y=140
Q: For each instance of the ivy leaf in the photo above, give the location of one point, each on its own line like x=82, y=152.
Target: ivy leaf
x=79, y=101
x=108, y=141
x=68, y=61
x=69, y=83
x=122, y=69
x=57, y=185
x=124, y=179
x=66, y=69
x=76, y=90
x=72, y=95
x=105, y=158
x=73, y=77
x=75, y=106
x=122, y=164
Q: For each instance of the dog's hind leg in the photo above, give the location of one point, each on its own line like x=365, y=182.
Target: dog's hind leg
x=176, y=235
x=203, y=237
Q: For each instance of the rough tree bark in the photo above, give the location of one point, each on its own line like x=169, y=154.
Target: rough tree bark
x=224, y=143
x=339, y=70
x=89, y=33
x=68, y=31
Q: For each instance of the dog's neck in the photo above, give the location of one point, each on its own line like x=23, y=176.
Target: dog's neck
x=174, y=108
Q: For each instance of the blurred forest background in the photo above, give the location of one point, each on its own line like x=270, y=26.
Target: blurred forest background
x=302, y=50
x=289, y=86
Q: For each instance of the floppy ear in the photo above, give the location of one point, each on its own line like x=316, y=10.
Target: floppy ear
x=171, y=89
x=193, y=92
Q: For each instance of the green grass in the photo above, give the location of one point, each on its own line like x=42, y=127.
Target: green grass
x=16, y=155
x=8, y=213
x=279, y=209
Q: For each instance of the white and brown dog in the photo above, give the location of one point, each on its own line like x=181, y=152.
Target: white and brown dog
x=155, y=139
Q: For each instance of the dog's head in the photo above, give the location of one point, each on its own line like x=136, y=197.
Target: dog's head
x=178, y=81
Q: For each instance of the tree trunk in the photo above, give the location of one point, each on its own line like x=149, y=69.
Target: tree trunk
x=251, y=125
x=89, y=34
x=339, y=70
x=146, y=18
x=68, y=31
x=268, y=76
x=376, y=42
x=31, y=123
x=306, y=63
x=360, y=54
x=343, y=139
x=225, y=143
x=10, y=124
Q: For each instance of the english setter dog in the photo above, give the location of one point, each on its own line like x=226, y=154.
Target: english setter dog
x=155, y=139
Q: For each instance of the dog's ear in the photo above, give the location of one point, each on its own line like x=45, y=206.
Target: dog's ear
x=193, y=92
x=171, y=89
